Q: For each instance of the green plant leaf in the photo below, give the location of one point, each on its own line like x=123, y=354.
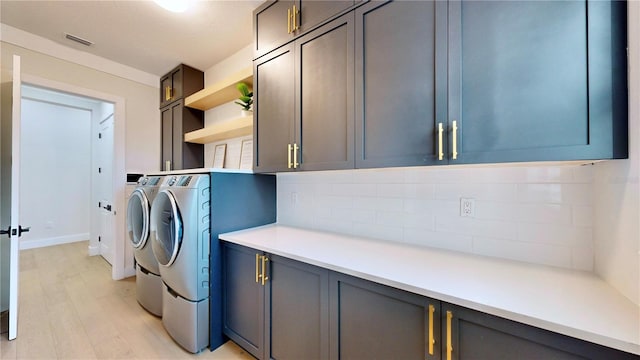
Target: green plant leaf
x=243, y=88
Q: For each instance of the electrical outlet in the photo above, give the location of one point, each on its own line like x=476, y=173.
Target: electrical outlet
x=467, y=207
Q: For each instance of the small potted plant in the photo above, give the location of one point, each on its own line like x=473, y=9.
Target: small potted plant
x=245, y=99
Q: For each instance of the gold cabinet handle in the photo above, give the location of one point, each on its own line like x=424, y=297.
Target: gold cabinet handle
x=449, y=345
x=257, y=261
x=288, y=21
x=294, y=13
x=432, y=341
x=289, y=148
x=440, y=152
x=455, y=139
x=167, y=93
x=264, y=269
x=295, y=156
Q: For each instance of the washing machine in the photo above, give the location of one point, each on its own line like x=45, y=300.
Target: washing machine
x=180, y=220
x=148, y=281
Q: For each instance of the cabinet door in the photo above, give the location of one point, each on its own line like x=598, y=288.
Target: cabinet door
x=373, y=321
x=531, y=80
x=400, y=77
x=167, y=139
x=313, y=12
x=272, y=27
x=479, y=336
x=274, y=110
x=177, y=80
x=176, y=136
x=243, y=298
x=171, y=87
x=297, y=309
x=324, y=103
x=166, y=86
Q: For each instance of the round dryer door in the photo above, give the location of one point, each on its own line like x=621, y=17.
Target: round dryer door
x=168, y=226
x=138, y=218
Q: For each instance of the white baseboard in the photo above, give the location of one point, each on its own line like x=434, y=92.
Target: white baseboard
x=129, y=272
x=38, y=243
x=94, y=250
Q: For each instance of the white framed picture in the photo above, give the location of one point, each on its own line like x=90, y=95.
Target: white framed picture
x=219, y=155
x=246, y=154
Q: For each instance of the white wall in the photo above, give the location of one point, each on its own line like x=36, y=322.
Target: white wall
x=617, y=191
x=55, y=183
x=229, y=111
x=142, y=127
x=137, y=128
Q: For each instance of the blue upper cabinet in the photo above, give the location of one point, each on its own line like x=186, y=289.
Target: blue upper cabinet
x=536, y=81
x=443, y=82
x=400, y=77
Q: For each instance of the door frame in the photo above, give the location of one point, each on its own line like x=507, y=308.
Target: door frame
x=118, y=269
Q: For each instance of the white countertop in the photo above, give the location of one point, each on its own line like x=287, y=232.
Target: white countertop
x=201, y=171
x=573, y=303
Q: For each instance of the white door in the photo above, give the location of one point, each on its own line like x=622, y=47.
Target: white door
x=105, y=188
x=10, y=205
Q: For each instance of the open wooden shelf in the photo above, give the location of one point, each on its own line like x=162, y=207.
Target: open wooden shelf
x=221, y=92
x=226, y=130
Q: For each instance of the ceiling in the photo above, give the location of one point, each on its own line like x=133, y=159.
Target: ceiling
x=140, y=34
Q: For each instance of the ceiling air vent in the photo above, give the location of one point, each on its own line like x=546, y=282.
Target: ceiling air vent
x=78, y=39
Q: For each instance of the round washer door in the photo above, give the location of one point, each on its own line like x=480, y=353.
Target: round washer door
x=168, y=226
x=138, y=218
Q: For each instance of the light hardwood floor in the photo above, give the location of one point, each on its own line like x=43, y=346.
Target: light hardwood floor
x=69, y=308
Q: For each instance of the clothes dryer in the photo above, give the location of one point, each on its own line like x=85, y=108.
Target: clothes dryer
x=148, y=282
x=180, y=223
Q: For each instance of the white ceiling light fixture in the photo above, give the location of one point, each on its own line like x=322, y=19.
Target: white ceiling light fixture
x=176, y=6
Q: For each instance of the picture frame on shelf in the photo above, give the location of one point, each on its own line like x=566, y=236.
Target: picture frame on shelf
x=246, y=155
x=219, y=155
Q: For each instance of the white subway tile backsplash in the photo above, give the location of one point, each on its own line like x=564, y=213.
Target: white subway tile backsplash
x=544, y=213
x=539, y=214
x=454, y=242
x=379, y=176
x=435, y=207
x=545, y=254
x=582, y=215
x=540, y=193
x=380, y=232
x=583, y=174
x=547, y=234
x=583, y=257
x=477, y=227
x=353, y=189
x=490, y=210
x=491, y=192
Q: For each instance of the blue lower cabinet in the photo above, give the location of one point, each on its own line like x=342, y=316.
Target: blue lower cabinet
x=476, y=335
x=373, y=321
x=306, y=312
x=273, y=307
